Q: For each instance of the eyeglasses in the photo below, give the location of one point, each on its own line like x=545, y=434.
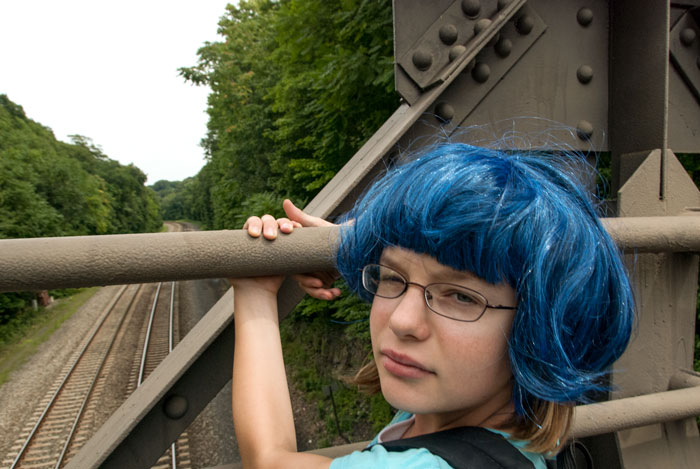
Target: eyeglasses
x=446, y=299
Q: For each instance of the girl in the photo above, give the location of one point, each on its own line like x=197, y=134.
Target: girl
x=498, y=302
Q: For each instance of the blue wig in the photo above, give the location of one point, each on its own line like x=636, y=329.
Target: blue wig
x=516, y=218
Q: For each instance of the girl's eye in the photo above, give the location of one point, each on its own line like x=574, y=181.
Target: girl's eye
x=391, y=279
x=462, y=298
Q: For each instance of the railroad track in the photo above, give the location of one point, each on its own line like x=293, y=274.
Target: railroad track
x=158, y=341
x=65, y=418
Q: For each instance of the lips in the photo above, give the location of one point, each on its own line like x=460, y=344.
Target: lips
x=403, y=366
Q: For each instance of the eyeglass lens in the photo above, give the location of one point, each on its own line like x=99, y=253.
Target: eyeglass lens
x=446, y=299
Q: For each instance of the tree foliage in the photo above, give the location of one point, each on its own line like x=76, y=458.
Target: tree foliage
x=52, y=188
x=297, y=87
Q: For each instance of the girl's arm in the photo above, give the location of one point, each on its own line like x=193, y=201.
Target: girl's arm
x=262, y=411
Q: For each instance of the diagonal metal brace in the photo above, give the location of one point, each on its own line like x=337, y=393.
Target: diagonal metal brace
x=685, y=50
x=453, y=36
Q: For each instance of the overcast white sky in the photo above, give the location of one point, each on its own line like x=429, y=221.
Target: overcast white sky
x=108, y=70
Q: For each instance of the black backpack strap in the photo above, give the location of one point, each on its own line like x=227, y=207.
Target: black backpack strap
x=467, y=448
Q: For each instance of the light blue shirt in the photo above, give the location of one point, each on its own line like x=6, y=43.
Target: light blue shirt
x=414, y=458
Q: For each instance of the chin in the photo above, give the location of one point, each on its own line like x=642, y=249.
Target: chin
x=408, y=399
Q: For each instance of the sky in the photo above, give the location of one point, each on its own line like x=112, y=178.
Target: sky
x=108, y=71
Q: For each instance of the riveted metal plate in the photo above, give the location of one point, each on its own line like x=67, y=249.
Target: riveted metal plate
x=430, y=53
x=447, y=112
x=685, y=51
x=544, y=89
x=489, y=67
x=411, y=19
x=561, y=79
x=683, y=102
x=683, y=116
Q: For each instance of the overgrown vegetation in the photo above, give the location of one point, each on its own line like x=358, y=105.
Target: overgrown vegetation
x=52, y=188
x=297, y=87
x=23, y=333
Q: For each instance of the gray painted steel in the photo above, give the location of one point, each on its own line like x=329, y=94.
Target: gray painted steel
x=42, y=263
x=81, y=261
x=599, y=67
x=665, y=286
x=684, y=82
x=638, y=76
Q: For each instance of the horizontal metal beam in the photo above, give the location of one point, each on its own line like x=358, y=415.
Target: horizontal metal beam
x=638, y=411
x=79, y=261
x=656, y=234
x=682, y=401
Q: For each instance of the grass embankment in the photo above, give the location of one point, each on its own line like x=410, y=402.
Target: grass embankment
x=21, y=336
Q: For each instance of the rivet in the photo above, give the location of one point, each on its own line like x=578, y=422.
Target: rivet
x=584, y=74
x=525, y=24
x=422, y=59
x=584, y=16
x=503, y=47
x=502, y=4
x=175, y=407
x=688, y=36
x=471, y=8
x=481, y=25
x=456, y=51
x=444, y=112
x=481, y=72
x=584, y=130
x=448, y=34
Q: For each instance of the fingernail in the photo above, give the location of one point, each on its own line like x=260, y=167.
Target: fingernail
x=286, y=226
x=255, y=231
x=269, y=232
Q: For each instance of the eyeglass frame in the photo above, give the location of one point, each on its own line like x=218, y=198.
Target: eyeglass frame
x=425, y=293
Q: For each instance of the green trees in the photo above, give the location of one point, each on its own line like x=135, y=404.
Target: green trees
x=52, y=188
x=297, y=87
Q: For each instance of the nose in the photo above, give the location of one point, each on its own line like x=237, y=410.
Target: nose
x=409, y=318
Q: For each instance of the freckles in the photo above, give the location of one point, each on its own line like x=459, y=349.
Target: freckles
x=475, y=351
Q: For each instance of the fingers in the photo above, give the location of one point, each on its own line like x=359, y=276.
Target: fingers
x=269, y=227
x=318, y=285
x=304, y=219
x=254, y=226
x=286, y=226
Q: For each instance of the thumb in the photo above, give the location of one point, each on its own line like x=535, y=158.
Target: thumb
x=294, y=213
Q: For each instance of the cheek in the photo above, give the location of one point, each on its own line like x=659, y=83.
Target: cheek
x=377, y=320
x=476, y=351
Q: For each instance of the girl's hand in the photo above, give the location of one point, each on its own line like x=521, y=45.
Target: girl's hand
x=317, y=284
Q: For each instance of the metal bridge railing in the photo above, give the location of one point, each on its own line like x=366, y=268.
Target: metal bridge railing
x=79, y=261
x=201, y=364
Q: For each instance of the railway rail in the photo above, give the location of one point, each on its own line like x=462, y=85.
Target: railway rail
x=66, y=417
x=159, y=340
